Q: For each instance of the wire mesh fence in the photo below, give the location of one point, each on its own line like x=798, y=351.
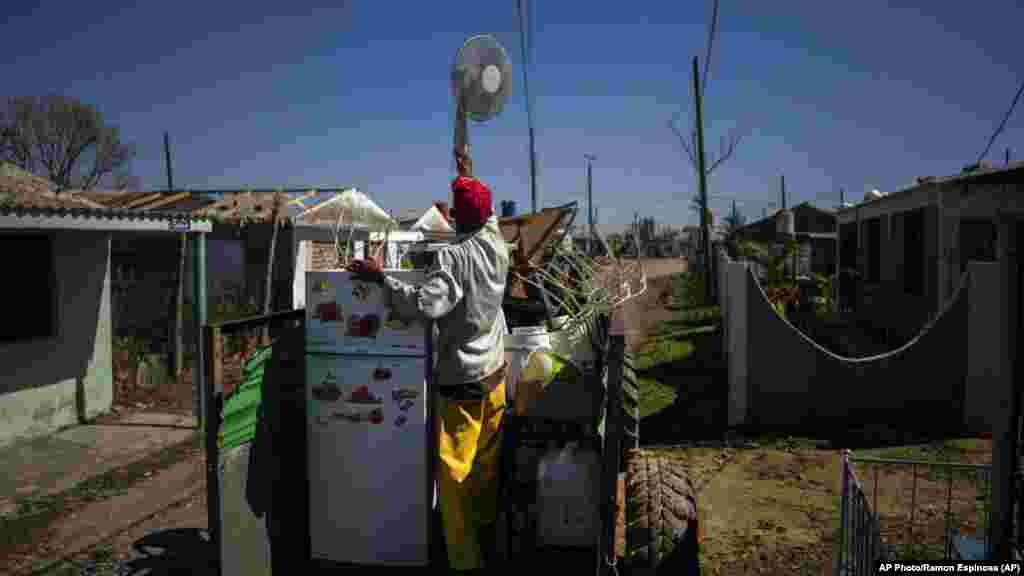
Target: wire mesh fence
x=911, y=511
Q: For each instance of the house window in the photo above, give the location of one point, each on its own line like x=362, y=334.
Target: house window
x=848, y=245
x=977, y=241
x=124, y=274
x=802, y=224
x=913, y=253
x=33, y=289
x=873, y=246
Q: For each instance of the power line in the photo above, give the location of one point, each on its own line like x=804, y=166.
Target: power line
x=1002, y=124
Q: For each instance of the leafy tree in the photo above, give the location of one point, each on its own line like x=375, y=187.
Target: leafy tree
x=64, y=140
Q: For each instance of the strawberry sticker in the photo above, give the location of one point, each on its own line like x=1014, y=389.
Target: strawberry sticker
x=362, y=395
x=377, y=416
x=328, y=311
x=355, y=325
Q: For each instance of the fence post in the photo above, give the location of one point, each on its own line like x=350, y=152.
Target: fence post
x=613, y=446
x=844, y=494
x=212, y=394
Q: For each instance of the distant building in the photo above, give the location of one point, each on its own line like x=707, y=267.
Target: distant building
x=815, y=230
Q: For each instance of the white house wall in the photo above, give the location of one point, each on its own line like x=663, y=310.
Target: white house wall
x=39, y=380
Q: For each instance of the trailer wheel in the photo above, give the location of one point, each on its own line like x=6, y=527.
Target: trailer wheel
x=630, y=406
x=661, y=516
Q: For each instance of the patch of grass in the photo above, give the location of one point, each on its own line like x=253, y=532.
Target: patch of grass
x=35, y=514
x=663, y=351
x=918, y=552
x=948, y=450
x=940, y=451
x=97, y=562
x=654, y=396
x=778, y=441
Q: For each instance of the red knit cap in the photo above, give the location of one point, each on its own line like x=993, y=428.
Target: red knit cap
x=472, y=204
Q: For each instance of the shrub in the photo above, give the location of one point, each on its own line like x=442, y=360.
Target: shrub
x=687, y=291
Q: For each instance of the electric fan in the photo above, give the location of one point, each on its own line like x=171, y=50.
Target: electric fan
x=481, y=82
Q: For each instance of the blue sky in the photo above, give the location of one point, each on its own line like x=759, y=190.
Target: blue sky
x=858, y=95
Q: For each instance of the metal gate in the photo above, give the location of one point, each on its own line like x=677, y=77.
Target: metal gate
x=860, y=545
x=1017, y=503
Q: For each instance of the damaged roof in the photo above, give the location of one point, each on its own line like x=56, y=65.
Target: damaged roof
x=22, y=189
x=223, y=205
x=29, y=202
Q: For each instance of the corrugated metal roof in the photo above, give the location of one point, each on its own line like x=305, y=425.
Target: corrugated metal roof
x=40, y=217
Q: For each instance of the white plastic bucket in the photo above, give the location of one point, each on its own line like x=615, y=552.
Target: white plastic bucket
x=518, y=346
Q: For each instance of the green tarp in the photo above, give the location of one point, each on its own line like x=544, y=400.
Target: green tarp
x=238, y=417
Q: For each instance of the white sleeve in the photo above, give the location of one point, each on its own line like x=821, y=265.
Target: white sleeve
x=434, y=298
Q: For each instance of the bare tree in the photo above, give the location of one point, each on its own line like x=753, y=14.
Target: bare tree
x=125, y=181
x=63, y=139
x=688, y=139
x=278, y=217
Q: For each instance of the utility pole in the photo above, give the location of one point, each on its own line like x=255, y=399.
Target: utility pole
x=178, y=363
x=636, y=233
x=1007, y=155
x=703, y=185
x=782, y=178
x=529, y=110
x=167, y=159
x=590, y=198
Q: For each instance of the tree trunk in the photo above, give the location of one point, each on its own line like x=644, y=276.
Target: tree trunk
x=268, y=291
x=179, y=310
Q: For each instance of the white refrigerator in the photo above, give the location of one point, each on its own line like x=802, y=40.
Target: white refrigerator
x=369, y=423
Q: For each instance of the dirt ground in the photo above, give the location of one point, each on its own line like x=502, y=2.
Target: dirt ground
x=643, y=313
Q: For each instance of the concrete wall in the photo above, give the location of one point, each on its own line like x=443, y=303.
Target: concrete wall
x=44, y=384
x=737, y=344
x=981, y=400
x=791, y=382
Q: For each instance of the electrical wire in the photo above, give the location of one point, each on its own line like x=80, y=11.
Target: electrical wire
x=1002, y=124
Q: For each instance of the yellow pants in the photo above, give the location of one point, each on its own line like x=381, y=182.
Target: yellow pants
x=469, y=441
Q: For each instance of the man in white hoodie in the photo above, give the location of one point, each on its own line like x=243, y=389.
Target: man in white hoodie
x=463, y=295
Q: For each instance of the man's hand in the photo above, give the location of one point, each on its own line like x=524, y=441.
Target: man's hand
x=367, y=271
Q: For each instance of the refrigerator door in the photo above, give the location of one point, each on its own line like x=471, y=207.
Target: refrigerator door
x=344, y=316
x=370, y=486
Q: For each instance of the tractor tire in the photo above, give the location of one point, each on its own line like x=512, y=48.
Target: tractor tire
x=630, y=406
x=661, y=516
